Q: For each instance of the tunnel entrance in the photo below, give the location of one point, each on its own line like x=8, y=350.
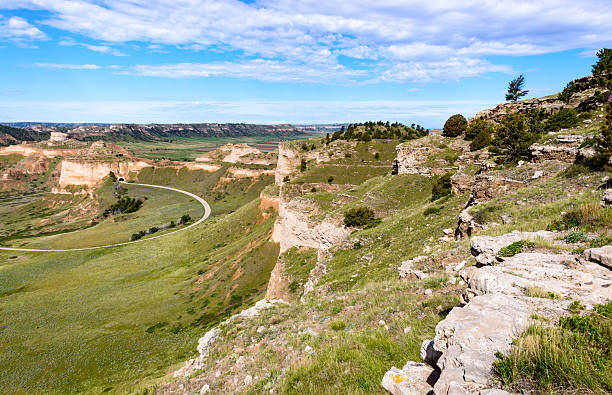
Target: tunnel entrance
x=121, y=179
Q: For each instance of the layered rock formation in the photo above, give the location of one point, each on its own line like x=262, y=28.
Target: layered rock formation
x=501, y=301
x=583, y=99
x=91, y=173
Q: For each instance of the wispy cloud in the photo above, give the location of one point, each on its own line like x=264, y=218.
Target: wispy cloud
x=105, y=49
x=68, y=66
x=427, y=113
x=264, y=70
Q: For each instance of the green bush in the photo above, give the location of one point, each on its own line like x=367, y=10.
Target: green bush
x=330, y=179
x=512, y=139
x=575, y=237
x=303, y=165
x=293, y=286
x=477, y=126
x=482, y=140
x=361, y=216
x=441, y=187
x=515, y=248
x=565, y=118
x=184, y=219
x=338, y=325
x=124, y=205
x=454, y=126
x=431, y=210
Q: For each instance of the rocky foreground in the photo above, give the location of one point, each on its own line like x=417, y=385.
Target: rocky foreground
x=503, y=297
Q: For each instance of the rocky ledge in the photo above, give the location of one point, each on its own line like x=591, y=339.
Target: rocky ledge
x=503, y=295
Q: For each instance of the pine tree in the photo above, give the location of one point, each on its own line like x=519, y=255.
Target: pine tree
x=515, y=88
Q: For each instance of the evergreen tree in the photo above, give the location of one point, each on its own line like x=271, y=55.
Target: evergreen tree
x=515, y=88
x=512, y=139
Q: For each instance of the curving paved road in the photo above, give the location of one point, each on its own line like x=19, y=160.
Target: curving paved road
x=203, y=202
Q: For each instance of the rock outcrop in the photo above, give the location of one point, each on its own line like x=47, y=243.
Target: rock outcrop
x=485, y=248
x=502, y=301
x=487, y=187
x=462, y=183
x=213, y=334
x=583, y=100
x=293, y=228
x=91, y=173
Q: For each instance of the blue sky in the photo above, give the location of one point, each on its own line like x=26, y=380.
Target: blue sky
x=276, y=61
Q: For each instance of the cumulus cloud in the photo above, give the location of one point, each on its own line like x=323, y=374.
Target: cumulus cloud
x=399, y=37
x=19, y=30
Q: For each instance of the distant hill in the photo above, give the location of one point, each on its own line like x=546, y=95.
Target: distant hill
x=10, y=135
x=149, y=132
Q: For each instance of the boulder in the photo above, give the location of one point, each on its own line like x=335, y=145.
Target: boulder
x=560, y=273
x=412, y=379
x=206, y=341
x=469, y=337
x=406, y=268
x=601, y=255
x=465, y=225
x=485, y=248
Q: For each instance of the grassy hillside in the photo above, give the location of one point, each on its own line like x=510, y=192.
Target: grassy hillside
x=109, y=319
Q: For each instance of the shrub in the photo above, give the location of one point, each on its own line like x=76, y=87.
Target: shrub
x=431, y=210
x=454, y=126
x=361, y=216
x=565, y=118
x=286, y=179
x=153, y=229
x=303, y=165
x=512, y=139
x=313, y=189
x=112, y=176
x=330, y=179
x=377, y=156
x=576, y=307
x=600, y=241
x=482, y=140
x=124, y=205
x=184, y=219
x=338, y=325
x=575, y=237
x=441, y=187
x=293, y=286
x=478, y=126
x=515, y=248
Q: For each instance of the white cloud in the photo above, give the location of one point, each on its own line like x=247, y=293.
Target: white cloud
x=398, y=37
x=264, y=70
x=68, y=66
x=19, y=30
x=105, y=49
x=427, y=113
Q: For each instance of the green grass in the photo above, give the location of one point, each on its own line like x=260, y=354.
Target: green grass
x=160, y=206
x=299, y=261
x=224, y=197
x=573, y=357
x=116, y=319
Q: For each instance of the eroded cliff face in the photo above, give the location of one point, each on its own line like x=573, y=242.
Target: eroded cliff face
x=74, y=172
x=294, y=228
